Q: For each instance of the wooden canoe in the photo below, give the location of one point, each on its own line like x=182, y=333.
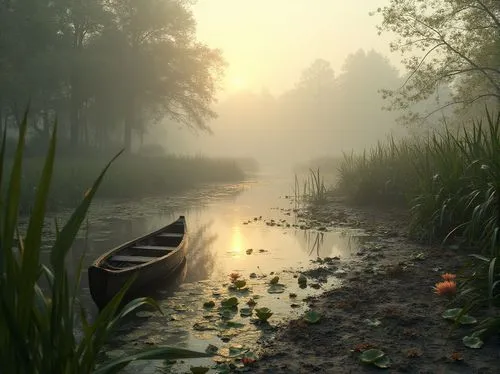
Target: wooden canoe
x=152, y=256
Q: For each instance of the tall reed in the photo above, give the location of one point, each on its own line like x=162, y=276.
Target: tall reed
x=450, y=182
x=38, y=324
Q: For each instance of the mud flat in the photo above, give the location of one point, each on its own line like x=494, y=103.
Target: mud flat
x=386, y=302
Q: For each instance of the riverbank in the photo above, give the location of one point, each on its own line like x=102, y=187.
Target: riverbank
x=131, y=176
x=386, y=302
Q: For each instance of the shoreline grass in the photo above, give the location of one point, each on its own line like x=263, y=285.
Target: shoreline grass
x=450, y=183
x=132, y=176
x=38, y=332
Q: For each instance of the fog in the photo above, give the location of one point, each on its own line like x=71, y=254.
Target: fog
x=280, y=81
x=324, y=114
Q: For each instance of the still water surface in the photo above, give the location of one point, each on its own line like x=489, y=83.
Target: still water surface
x=224, y=221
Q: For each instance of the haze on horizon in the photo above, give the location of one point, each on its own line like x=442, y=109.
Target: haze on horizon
x=268, y=46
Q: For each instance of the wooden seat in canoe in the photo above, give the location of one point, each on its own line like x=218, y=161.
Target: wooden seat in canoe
x=170, y=235
x=153, y=248
x=133, y=259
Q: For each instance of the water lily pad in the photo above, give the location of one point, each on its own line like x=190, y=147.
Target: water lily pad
x=229, y=303
x=302, y=279
x=451, y=313
x=276, y=288
x=292, y=295
x=454, y=315
x=209, y=304
x=253, y=275
x=371, y=355
x=274, y=280
x=246, y=312
x=383, y=362
x=372, y=323
x=467, y=320
x=199, y=369
x=249, y=251
x=312, y=317
x=227, y=313
x=263, y=314
x=472, y=342
x=240, y=283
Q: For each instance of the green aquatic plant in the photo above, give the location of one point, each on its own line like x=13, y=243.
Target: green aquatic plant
x=40, y=312
x=263, y=314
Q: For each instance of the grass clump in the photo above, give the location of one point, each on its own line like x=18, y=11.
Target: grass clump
x=312, y=190
x=39, y=323
x=450, y=182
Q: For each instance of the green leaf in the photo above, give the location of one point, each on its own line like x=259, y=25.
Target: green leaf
x=472, y=342
x=209, y=304
x=227, y=313
x=67, y=235
x=164, y=353
x=246, y=312
x=455, y=315
x=229, y=303
x=451, y=313
x=372, y=323
x=31, y=253
x=371, y=355
x=467, y=320
x=276, y=288
x=263, y=313
x=240, y=283
x=312, y=317
x=383, y=362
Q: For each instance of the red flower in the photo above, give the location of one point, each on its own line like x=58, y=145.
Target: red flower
x=247, y=360
x=448, y=276
x=446, y=288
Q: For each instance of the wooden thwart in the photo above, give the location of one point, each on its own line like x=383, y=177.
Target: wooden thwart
x=153, y=248
x=171, y=235
x=134, y=259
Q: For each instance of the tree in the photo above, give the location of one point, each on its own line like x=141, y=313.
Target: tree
x=445, y=42
x=318, y=79
x=104, y=66
x=167, y=72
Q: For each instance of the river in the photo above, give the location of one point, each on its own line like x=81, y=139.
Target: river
x=239, y=228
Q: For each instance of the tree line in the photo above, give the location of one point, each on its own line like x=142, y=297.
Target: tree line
x=106, y=68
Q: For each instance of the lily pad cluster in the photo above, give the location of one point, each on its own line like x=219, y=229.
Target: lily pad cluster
x=375, y=357
x=458, y=315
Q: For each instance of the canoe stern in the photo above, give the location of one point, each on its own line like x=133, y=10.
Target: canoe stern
x=98, y=285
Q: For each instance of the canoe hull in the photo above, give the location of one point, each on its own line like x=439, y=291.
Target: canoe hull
x=104, y=283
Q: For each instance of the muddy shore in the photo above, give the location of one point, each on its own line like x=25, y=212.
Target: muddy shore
x=386, y=302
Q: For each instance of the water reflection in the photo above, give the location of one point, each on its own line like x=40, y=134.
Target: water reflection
x=199, y=255
x=219, y=243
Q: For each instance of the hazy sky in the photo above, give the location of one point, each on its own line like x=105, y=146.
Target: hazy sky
x=267, y=43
